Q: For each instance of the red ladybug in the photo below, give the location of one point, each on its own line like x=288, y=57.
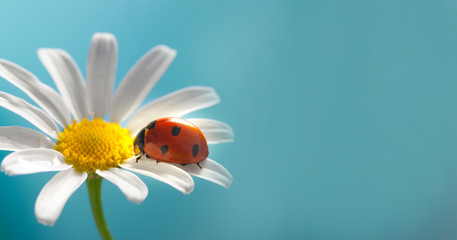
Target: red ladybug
x=172, y=140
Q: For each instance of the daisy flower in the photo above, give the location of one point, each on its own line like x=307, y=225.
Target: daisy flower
x=89, y=148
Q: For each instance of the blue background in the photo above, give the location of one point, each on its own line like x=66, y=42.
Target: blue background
x=344, y=114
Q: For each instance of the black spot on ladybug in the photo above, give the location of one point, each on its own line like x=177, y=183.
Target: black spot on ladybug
x=175, y=131
x=151, y=125
x=164, y=149
x=195, y=149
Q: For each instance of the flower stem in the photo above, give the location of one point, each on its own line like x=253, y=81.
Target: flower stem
x=94, y=186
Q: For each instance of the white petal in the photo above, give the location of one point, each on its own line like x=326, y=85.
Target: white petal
x=130, y=184
x=139, y=81
x=32, y=114
x=214, y=131
x=20, y=138
x=101, y=71
x=55, y=194
x=42, y=94
x=68, y=80
x=211, y=171
x=175, y=104
x=161, y=171
x=33, y=161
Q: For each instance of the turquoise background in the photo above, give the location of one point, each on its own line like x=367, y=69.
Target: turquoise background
x=344, y=114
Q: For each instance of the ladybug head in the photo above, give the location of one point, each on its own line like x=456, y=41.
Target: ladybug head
x=138, y=143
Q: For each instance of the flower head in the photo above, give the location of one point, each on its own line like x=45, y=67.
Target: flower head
x=88, y=146
x=96, y=144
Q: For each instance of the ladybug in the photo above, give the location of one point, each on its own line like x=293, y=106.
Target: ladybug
x=172, y=140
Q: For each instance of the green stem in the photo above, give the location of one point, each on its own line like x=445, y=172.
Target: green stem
x=94, y=186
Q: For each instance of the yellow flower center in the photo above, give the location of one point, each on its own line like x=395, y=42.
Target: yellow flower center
x=96, y=144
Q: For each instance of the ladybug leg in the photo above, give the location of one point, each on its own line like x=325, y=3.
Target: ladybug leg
x=138, y=157
x=198, y=164
x=141, y=155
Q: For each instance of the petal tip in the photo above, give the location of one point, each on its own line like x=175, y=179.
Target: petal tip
x=188, y=188
x=162, y=47
x=136, y=201
x=103, y=34
x=46, y=222
x=213, y=92
x=229, y=181
x=187, y=191
x=43, y=50
x=104, y=37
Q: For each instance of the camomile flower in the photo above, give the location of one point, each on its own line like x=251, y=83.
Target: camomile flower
x=89, y=148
